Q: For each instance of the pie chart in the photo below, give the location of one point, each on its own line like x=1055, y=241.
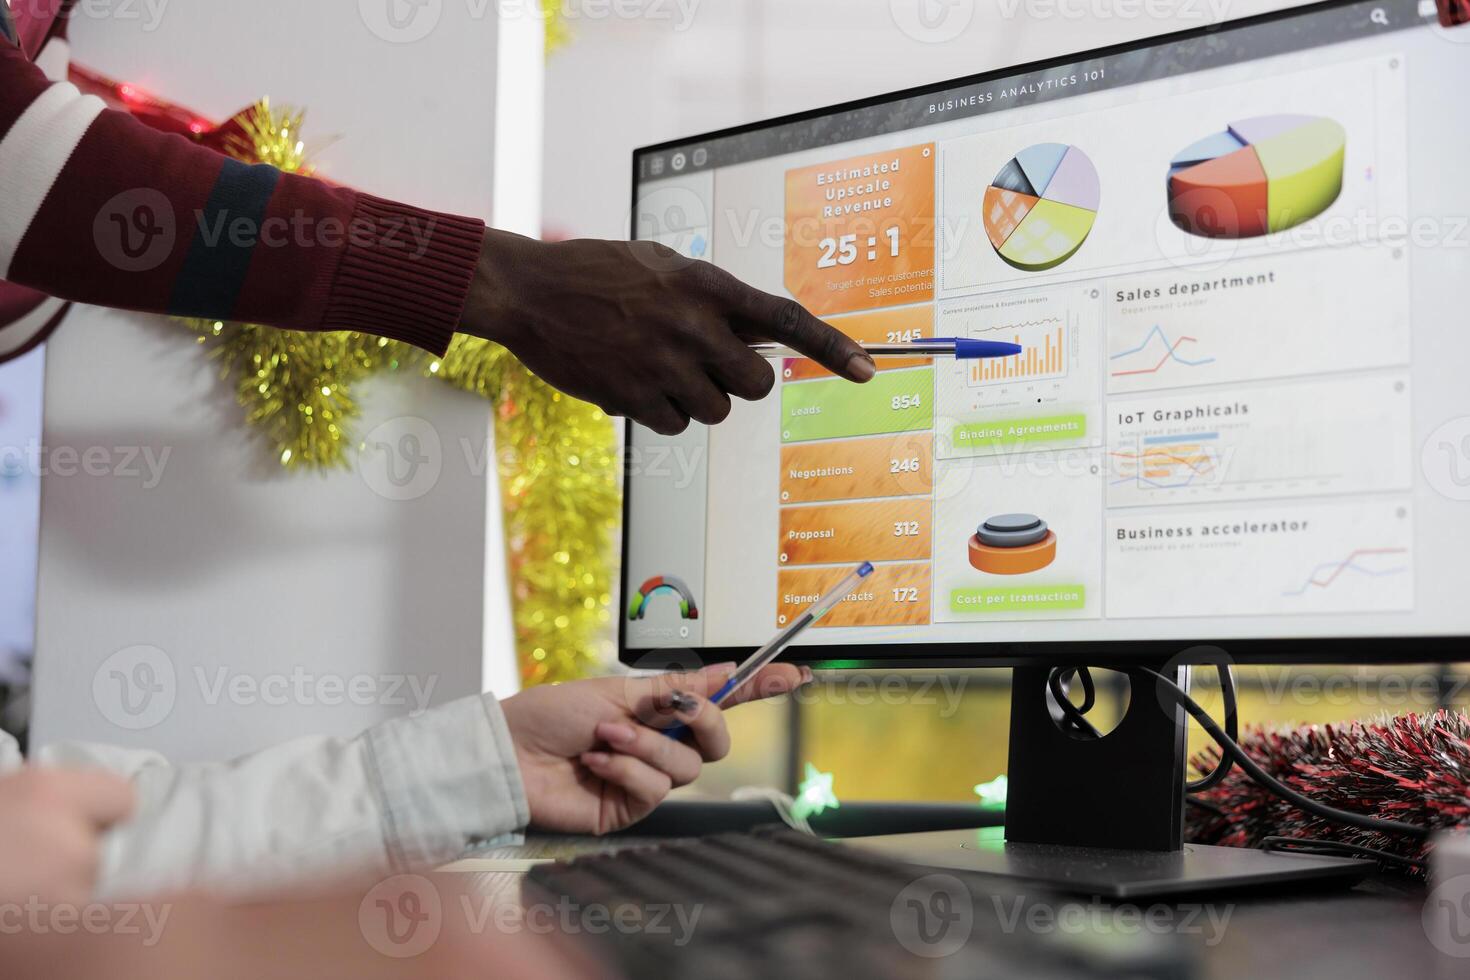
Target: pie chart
x=1041, y=206
x=1259, y=176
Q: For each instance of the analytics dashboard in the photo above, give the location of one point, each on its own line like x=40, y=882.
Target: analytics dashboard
x=1236, y=265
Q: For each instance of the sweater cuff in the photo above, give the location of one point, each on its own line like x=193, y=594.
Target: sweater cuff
x=405, y=274
x=445, y=779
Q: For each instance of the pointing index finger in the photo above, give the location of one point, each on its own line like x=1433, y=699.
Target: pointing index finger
x=787, y=322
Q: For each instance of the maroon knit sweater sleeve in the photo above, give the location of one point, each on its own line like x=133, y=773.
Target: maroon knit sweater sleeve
x=97, y=208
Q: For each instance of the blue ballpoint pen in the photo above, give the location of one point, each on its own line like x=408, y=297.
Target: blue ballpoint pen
x=960, y=348
x=782, y=640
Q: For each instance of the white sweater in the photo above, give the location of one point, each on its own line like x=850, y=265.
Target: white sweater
x=408, y=794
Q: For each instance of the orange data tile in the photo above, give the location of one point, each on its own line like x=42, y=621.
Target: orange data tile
x=881, y=530
x=855, y=469
x=860, y=231
x=894, y=595
x=897, y=326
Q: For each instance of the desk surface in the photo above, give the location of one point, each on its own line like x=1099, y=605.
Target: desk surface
x=1372, y=931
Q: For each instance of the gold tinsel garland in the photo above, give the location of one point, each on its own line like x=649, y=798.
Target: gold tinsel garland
x=558, y=33
x=557, y=459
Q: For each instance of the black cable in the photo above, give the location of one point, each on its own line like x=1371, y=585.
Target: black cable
x=1071, y=713
x=1074, y=715
x=1232, y=728
x=1336, y=848
x=1231, y=755
x=1089, y=691
x=1232, y=748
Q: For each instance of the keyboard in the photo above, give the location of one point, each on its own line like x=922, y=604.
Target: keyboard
x=773, y=903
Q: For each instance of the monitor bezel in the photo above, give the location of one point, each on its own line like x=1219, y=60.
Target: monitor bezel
x=1389, y=649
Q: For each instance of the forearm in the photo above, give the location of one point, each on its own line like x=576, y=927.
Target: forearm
x=97, y=208
x=408, y=794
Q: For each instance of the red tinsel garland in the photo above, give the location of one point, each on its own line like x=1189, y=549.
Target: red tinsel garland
x=158, y=113
x=1413, y=769
x=231, y=137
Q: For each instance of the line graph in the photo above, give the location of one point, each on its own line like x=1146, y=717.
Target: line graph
x=1290, y=558
x=1019, y=325
x=1325, y=574
x=1175, y=328
x=1170, y=352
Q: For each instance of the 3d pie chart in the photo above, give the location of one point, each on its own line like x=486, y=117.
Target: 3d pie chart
x=1259, y=176
x=1041, y=206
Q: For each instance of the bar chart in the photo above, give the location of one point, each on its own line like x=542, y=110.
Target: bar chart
x=1050, y=387
x=1168, y=462
x=1044, y=356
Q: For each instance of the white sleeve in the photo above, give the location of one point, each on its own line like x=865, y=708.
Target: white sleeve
x=10, y=757
x=407, y=794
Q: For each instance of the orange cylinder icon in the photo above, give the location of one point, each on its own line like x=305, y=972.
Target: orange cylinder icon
x=1013, y=544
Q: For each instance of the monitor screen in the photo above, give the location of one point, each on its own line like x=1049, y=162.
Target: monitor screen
x=1236, y=261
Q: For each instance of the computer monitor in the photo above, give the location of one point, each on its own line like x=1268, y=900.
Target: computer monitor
x=1236, y=260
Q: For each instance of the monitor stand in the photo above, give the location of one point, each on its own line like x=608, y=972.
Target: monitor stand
x=1105, y=816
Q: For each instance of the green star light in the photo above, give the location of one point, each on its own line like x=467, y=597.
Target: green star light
x=814, y=795
x=993, y=794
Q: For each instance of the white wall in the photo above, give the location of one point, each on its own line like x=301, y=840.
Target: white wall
x=229, y=564
x=20, y=504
